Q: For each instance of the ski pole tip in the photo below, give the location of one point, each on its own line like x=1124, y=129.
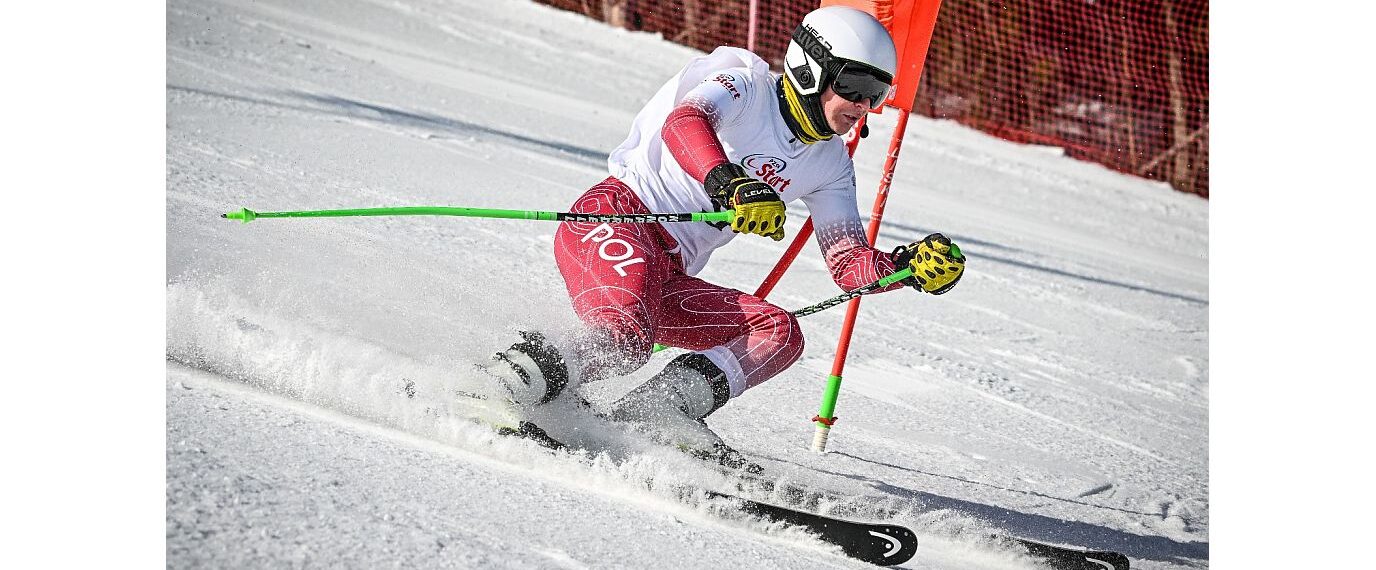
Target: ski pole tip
x=244, y=214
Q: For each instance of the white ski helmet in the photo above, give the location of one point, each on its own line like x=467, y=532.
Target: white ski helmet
x=834, y=38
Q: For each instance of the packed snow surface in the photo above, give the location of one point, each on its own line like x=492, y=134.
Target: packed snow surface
x=1060, y=393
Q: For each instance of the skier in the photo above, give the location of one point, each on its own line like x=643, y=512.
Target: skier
x=723, y=133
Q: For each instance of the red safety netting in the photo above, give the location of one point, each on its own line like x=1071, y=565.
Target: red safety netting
x=1124, y=83
x=703, y=24
x=1120, y=82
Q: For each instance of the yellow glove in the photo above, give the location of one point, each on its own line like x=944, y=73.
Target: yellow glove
x=937, y=263
x=758, y=207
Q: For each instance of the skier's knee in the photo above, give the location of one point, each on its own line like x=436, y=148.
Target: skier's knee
x=778, y=330
x=780, y=326
x=616, y=347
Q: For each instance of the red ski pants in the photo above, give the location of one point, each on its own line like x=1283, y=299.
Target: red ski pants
x=625, y=283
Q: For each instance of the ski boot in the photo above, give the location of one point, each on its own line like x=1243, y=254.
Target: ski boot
x=530, y=373
x=532, y=384
x=674, y=404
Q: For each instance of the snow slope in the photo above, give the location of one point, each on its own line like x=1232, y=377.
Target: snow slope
x=1060, y=393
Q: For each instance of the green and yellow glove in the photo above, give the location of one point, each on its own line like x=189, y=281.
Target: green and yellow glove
x=936, y=262
x=758, y=208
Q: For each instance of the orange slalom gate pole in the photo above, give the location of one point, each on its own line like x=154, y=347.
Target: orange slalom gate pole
x=911, y=23
x=782, y=265
x=826, y=416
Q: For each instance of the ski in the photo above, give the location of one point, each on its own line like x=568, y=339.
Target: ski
x=1063, y=558
x=875, y=543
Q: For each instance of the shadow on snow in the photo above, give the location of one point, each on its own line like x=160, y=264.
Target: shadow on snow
x=1039, y=527
x=373, y=112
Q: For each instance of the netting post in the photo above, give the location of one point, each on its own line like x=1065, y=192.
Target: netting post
x=750, y=28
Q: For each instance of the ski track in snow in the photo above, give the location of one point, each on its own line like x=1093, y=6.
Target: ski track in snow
x=1060, y=393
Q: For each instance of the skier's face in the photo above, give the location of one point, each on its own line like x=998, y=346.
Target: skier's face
x=841, y=114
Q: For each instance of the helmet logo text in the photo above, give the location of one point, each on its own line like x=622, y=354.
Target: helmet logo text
x=813, y=44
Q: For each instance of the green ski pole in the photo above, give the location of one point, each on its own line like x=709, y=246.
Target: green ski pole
x=246, y=215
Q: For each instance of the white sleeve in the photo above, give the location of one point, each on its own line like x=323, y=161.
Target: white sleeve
x=836, y=221
x=725, y=97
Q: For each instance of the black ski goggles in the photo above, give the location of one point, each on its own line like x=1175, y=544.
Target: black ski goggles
x=858, y=84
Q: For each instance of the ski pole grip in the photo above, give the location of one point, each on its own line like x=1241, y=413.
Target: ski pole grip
x=722, y=216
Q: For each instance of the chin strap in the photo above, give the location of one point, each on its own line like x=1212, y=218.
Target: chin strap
x=802, y=114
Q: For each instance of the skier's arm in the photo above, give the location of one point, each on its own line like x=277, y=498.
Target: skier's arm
x=690, y=134
x=692, y=138
x=936, y=262
x=690, y=130
x=836, y=221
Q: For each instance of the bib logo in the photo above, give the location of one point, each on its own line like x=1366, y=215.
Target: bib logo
x=725, y=81
x=768, y=169
x=613, y=249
